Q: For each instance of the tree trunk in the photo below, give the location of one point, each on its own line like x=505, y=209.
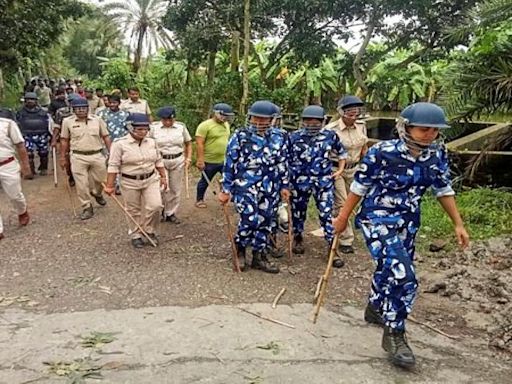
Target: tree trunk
x=2, y=85
x=235, y=51
x=247, y=46
x=356, y=66
x=138, y=51
x=211, y=68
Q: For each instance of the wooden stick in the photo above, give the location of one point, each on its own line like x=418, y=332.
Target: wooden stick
x=433, y=328
x=236, y=266
x=70, y=194
x=131, y=218
x=325, y=278
x=267, y=318
x=54, y=160
x=317, y=290
x=281, y=293
x=187, y=190
x=290, y=229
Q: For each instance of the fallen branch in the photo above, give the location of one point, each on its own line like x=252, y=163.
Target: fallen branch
x=432, y=328
x=267, y=318
x=281, y=293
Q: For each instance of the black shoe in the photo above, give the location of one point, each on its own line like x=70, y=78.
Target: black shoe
x=372, y=316
x=338, y=263
x=71, y=181
x=87, y=213
x=153, y=237
x=346, y=249
x=118, y=190
x=298, y=245
x=242, y=261
x=172, y=219
x=138, y=243
x=260, y=261
x=395, y=344
x=99, y=199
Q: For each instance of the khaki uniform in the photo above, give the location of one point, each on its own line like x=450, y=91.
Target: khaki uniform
x=87, y=160
x=170, y=142
x=94, y=103
x=10, y=177
x=140, y=106
x=353, y=139
x=129, y=158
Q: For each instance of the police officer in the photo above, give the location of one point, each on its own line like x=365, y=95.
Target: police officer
x=352, y=133
x=85, y=134
x=57, y=103
x=94, y=101
x=175, y=145
x=311, y=174
x=137, y=159
x=12, y=143
x=254, y=175
x=35, y=124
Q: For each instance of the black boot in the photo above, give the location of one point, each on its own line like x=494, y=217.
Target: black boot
x=260, y=261
x=43, y=165
x=242, y=261
x=298, y=245
x=338, y=261
x=372, y=316
x=395, y=344
x=87, y=213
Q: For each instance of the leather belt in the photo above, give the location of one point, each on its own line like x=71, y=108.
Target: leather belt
x=170, y=157
x=348, y=165
x=7, y=161
x=138, y=177
x=87, y=153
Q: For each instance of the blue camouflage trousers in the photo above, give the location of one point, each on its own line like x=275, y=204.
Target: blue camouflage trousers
x=256, y=212
x=394, y=283
x=324, y=199
x=39, y=142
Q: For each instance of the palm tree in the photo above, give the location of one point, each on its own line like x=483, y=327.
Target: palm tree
x=141, y=22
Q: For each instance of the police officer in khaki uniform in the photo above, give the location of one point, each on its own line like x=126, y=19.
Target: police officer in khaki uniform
x=175, y=145
x=137, y=159
x=94, y=101
x=134, y=104
x=85, y=134
x=12, y=143
x=352, y=133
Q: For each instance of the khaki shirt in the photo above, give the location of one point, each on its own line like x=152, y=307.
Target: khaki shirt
x=132, y=157
x=141, y=106
x=10, y=135
x=94, y=103
x=84, y=135
x=170, y=140
x=353, y=138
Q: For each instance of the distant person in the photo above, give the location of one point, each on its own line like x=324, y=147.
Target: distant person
x=134, y=104
x=94, y=101
x=43, y=93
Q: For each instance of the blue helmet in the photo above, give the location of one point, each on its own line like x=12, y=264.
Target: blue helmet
x=349, y=101
x=73, y=96
x=277, y=114
x=313, y=112
x=168, y=112
x=223, y=109
x=262, y=108
x=424, y=115
x=30, y=96
x=138, y=120
x=79, y=102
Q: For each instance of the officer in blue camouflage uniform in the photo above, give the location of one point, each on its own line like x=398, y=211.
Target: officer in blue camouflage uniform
x=391, y=180
x=35, y=124
x=254, y=175
x=311, y=173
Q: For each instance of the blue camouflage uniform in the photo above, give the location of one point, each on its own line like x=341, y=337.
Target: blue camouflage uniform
x=393, y=182
x=116, y=122
x=254, y=173
x=310, y=174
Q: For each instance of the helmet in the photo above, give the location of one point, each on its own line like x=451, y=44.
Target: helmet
x=30, y=96
x=350, y=106
x=223, y=109
x=168, y=112
x=73, y=96
x=313, y=112
x=424, y=115
x=79, y=102
x=277, y=117
x=137, y=120
x=262, y=108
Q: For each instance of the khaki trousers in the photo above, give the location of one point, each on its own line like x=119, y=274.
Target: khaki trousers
x=10, y=179
x=143, y=201
x=89, y=172
x=341, y=190
x=171, y=197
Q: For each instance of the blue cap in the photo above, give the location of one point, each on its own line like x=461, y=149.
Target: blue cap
x=138, y=119
x=168, y=112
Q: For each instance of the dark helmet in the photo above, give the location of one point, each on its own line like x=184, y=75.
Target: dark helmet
x=168, y=112
x=262, y=108
x=349, y=101
x=424, y=115
x=73, y=96
x=79, y=102
x=313, y=112
x=277, y=113
x=138, y=120
x=223, y=109
x=30, y=96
